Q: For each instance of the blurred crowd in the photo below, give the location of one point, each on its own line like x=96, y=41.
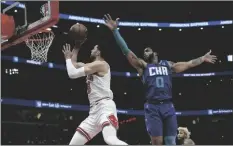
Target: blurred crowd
x=28, y=126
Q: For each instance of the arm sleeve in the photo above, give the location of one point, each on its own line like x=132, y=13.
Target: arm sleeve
x=121, y=42
x=73, y=72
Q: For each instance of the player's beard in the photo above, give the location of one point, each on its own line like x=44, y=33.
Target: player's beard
x=152, y=58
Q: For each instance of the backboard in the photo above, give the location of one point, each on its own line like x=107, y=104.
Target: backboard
x=15, y=33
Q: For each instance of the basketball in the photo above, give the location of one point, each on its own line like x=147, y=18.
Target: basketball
x=78, y=32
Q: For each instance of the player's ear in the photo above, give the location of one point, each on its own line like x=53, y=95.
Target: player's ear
x=155, y=54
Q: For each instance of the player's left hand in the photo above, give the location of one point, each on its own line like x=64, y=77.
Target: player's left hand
x=209, y=58
x=111, y=24
x=67, y=52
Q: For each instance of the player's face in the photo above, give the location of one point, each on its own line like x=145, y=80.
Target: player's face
x=149, y=54
x=95, y=51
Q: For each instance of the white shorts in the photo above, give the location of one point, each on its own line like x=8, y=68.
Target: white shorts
x=100, y=115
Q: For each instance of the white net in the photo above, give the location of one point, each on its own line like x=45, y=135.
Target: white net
x=39, y=45
x=44, y=10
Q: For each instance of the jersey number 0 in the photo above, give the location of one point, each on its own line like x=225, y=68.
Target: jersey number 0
x=160, y=82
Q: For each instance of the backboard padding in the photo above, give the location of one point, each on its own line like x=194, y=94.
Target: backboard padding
x=35, y=27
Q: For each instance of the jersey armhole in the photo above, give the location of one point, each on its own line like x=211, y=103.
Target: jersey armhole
x=164, y=63
x=167, y=64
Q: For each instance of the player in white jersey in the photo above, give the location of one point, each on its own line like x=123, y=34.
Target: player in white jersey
x=103, y=112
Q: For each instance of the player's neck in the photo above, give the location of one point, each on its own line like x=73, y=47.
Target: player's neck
x=98, y=58
x=154, y=61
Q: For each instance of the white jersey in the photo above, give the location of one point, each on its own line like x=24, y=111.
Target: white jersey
x=98, y=87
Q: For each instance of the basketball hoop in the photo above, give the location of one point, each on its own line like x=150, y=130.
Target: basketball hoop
x=39, y=43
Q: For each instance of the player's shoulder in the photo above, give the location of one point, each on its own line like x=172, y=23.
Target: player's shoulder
x=101, y=64
x=189, y=142
x=103, y=67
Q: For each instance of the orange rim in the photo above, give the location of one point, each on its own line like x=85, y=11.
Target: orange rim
x=37, y=40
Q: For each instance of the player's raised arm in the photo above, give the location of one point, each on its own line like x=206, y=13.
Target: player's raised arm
x=77, y=70
x=89, y=68
x=182, y=66
x=133, y=59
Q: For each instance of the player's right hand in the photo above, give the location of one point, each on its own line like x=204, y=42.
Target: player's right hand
x=79, y=43
x=67, y=52
x=111, y=24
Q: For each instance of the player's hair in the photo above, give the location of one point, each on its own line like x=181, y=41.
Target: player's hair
x=152, y=48
x=186, y=131
x=149, y=47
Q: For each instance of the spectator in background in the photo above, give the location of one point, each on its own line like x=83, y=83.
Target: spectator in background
x=184, y=136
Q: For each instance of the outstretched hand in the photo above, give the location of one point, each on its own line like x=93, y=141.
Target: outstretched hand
x=111, y=24
x=67, y=52
x=210, y=58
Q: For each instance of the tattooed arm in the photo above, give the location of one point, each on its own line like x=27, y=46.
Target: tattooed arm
x=183, y=66
x=136, y=62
